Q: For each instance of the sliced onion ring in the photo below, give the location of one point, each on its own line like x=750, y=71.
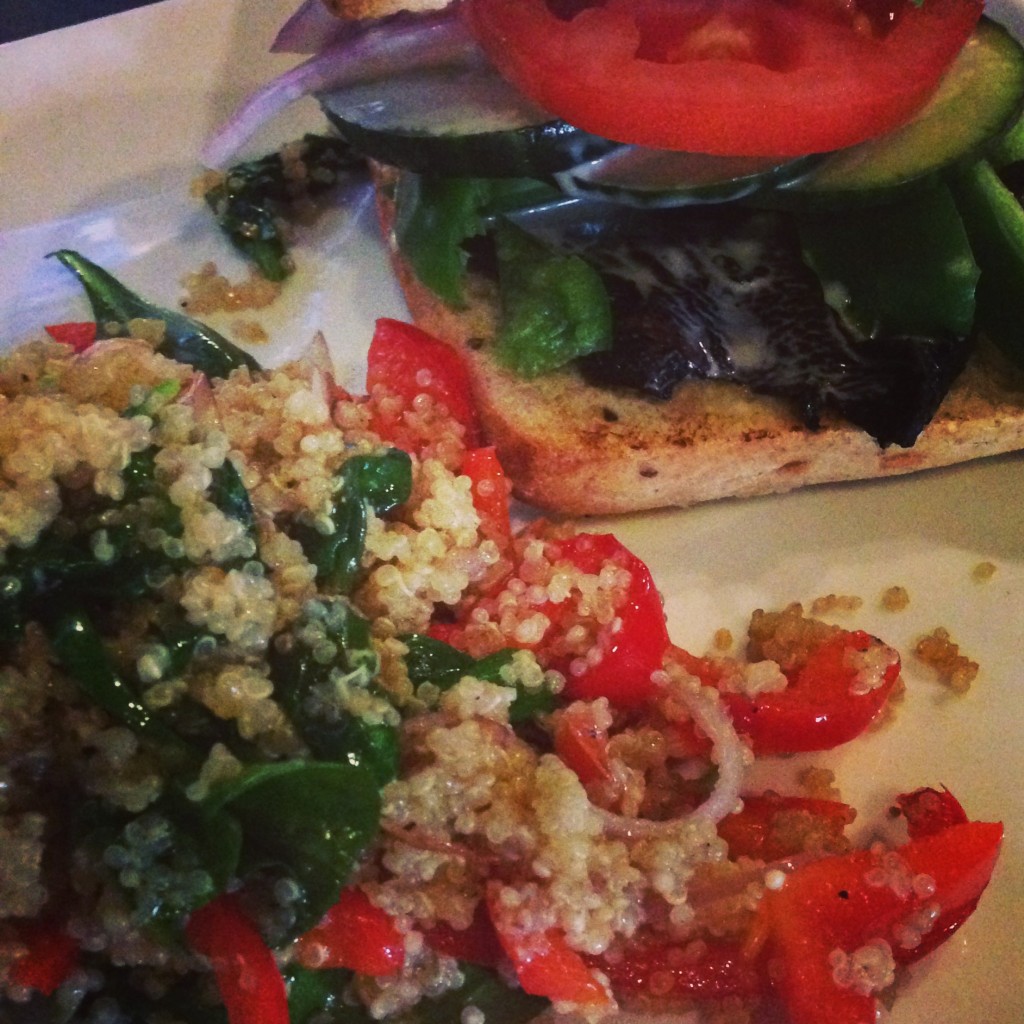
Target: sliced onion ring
x=729, y=752
x=363, y=50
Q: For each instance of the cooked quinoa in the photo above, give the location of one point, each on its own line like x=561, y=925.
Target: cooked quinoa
x=221, y=681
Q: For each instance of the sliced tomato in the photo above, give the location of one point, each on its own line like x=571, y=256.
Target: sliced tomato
x=729, y=77
x=670, y=973
x=545, y=964
x=405, y=362
x=248, y=979
x=823, y=705
x=771, y=826
x=51, y=955
x=357, y=935
x=840, y=905
x=78, y=335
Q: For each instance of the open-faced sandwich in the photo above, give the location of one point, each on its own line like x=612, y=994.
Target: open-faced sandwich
x=696, y=250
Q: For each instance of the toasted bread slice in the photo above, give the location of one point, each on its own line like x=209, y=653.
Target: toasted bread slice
x=574, y=448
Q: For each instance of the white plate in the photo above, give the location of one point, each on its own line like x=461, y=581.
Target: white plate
x=100, y=127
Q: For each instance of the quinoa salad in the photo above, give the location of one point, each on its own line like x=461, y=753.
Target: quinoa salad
x=296, y=727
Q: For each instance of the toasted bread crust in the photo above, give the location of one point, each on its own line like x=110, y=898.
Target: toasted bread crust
x=379, y=8
x=574, y=448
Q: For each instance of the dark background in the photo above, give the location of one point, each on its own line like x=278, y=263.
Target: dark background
x=20, y=18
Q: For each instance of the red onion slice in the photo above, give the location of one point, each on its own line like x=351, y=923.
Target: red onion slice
x=729, y=752
x=310, y=29
x=364, y=50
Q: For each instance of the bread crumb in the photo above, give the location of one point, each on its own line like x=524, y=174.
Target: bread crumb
x=983, y=572
x=954, y=669
x=895, y=599
x=835, y=603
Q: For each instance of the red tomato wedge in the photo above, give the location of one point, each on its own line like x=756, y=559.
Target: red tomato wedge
x=623, y=653
x=250, y=984
x=357, y=935
x=848, y=905
x=582, y=744
x=728, y=77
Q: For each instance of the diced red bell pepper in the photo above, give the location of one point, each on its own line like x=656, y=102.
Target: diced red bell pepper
x=490, y=494
x=248, y=979
x=545, y=963
x=477, y=944
x=929, y=811
x=357, y=935
x=766, y=830
x=672, y=974
x=628, y=650
x=819, y=709
x=842, y=903
x=79, y=335
x=406, y=361
x=51, y=956
x=582, y=744
x=632, y=649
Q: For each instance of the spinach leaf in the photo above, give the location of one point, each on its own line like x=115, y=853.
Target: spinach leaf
x=554, y=305
x=80, y=649
x=433, y=661
x=304, y=681
x=377, y=482
x=310, y=820
x=436, y=216
x=255, y=197
x=185, y=340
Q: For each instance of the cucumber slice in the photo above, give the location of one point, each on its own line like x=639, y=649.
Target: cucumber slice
x=978, y=100
x=458, y=118
x=637, y=176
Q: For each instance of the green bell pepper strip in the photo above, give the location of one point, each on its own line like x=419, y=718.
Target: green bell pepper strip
x=309, y=819
x=255, y=196
x=185, y=340
x=904, y=267
x=994, y=221
x=554, y=306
